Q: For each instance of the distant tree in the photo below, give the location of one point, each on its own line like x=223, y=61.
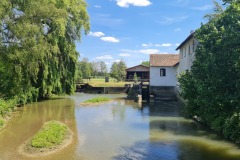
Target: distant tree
x=95, y=68
x=118, y=70
x=103, y=68
x=114, y=71
x=99, y=68
x=145, y=63
x=85, y=68
x=122, y=70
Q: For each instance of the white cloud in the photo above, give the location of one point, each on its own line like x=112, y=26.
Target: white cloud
x=149, y=51
x=96, y=34
x=164, y=45
x=203, y=8
x=144, y=51
x=177, y=29
x=139, y=3
x=147, y=45
x=116, y=60
x=177, y=44
x=171, y=20
x=97, y=6
x=124, y=55
x=104, y=57
x=110, y=39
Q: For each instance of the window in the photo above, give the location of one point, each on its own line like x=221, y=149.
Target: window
x=185, y=50
x=189, y=49
x=162, y=72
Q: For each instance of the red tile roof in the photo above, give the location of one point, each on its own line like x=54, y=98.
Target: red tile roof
x=164, y=60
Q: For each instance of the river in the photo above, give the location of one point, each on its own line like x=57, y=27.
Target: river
x=119, y=130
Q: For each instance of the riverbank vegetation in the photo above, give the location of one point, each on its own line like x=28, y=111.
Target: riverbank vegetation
x=38, y=55
x=212, y=87
x=96, y=100
x=6, y=107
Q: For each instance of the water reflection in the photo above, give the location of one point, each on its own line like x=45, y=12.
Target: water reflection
x=119, y=130
x=172, y=137
x=29, y=119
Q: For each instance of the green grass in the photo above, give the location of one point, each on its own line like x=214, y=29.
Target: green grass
x=100, y=82
x=1, y=123
x=98, y=100
x=53, y=133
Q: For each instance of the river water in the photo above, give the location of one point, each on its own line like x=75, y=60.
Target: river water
x=119, y=130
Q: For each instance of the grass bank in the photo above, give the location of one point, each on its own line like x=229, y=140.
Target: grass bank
x=6, y=107
x=52, y=137
x=96, y=100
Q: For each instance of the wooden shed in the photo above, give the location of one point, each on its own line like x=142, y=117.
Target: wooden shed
x=141, y=71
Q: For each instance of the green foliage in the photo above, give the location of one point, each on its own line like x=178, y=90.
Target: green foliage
x=37, y=48
x=212, y=87
x=118, y=70
x=6, y=106
x=98, y=100
x=53, y=133
x=146, y=63
x=85, y=67
x=1, y=122
x=99, y=69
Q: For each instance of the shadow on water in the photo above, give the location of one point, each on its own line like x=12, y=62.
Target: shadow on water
x=172, y=137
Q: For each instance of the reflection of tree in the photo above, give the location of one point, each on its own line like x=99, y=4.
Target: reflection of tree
x=119, y=109
x=27, y=122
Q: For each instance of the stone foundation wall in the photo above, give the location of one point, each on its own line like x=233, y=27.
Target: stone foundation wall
x=163, y=92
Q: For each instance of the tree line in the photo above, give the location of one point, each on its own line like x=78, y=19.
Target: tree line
x=212, y=87
x=98, y=69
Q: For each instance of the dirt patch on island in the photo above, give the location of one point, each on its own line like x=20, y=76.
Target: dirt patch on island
x=29, y=151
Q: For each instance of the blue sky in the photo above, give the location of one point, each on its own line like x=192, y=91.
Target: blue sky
x=132, y=29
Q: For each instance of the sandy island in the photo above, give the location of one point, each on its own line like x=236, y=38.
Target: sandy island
x=29, y=151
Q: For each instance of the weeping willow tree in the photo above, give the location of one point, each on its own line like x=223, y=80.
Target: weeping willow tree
x=37, y=51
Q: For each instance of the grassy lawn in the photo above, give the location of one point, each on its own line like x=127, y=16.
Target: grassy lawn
x=101, y=83
x=53, y=133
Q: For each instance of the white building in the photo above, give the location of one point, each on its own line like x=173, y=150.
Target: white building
x=187, y=53
x=163, y=74
x=163, y=69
